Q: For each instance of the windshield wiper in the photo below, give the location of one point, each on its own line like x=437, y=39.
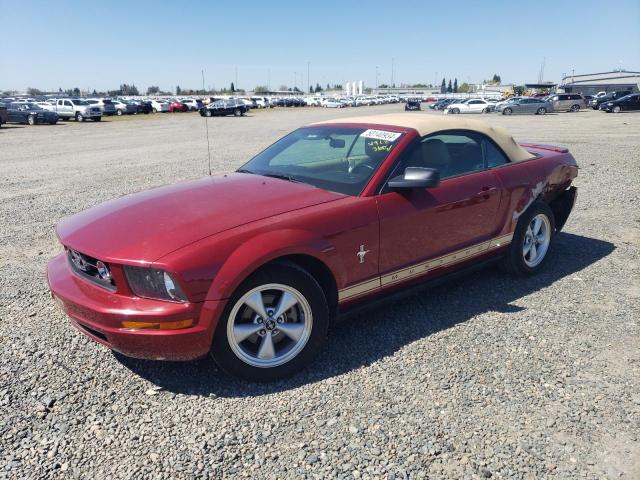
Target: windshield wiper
x=244, y=170
x=281, y=176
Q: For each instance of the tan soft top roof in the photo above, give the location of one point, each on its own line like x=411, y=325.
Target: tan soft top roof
x=426, y=124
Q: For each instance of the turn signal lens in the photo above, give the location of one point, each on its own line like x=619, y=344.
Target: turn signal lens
x=159, y=325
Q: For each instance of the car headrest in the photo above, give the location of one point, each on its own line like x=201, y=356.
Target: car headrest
x=435, y=153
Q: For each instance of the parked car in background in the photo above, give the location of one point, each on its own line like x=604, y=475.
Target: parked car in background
x=566, y=102
x=77, y=108
x=624, y=104
x=145, y=107
x=106, y=105
x=260, y=102
x=178, y=106
x=332, y=103
x=472, y=105
x=500, y=103
x=159, y=106
x=536, y=106
x=193, y=104
x=413, y=104
x=4, y=115
x=442, y=104
x=609, y=97
x=224, y=107
x=30, y=114
x=124, y=107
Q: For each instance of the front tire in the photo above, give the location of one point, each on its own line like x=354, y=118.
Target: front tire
x=119, y=113
x=616, y=109
x=274, y=324
x=97, y=119
x=507, y=111
x=79, y=117
x=574, y=108
x=31, y=120
x=541, y=111
x=531, y=241
x=237, y=112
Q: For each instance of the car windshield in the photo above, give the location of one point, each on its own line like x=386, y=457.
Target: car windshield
x=79, y=102
x=338, y=159
x=32, y=106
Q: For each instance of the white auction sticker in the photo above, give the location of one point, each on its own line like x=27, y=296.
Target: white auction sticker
x=381, y=135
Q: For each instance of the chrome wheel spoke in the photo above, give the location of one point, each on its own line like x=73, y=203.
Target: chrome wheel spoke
x=243, y=331
x=266, y=350
x=255, y=303
x=292, y=330
x=537, y=224
x=527, y=248
x=286, y=302
x=533, y=252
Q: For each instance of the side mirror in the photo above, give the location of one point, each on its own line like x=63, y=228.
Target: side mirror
x=416, y=177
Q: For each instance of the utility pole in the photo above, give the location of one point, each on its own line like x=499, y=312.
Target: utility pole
x=295, y=79
x=236, y=84
x=268, y=79
x=308, y=81
x=393, y=61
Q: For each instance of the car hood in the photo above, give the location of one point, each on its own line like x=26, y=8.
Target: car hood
x=145, y=226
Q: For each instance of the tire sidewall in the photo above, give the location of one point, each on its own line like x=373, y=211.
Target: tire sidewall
x=515, y=258
x=287, y=274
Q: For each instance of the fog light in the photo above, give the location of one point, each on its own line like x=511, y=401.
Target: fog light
x=158, y=325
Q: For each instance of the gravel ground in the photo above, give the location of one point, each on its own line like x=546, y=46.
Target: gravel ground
x=490, y=377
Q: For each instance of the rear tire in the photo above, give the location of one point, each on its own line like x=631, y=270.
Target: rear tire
x=455, y=111
x=574, y=108
x=254, y=348
x=208, y=113
x=529, y=247
x=237, y=112
x=119, y=113
x=31, y=120
x=616, y=109
x=79, y=117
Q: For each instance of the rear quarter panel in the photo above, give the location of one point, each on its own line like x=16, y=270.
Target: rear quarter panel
x=543, y=177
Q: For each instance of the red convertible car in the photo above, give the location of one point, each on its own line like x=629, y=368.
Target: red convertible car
x=252, y=267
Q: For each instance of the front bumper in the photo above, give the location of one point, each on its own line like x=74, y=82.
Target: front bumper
x=99, y=313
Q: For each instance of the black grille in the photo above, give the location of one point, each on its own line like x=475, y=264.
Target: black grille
x=87, y=268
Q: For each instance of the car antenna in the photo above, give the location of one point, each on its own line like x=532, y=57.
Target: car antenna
x=206, y=125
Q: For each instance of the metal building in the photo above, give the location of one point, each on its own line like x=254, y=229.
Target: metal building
x=593, y=83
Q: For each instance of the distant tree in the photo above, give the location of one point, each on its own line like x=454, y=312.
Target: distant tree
x=33, y=91
x=76, y=92
x=296, y=89
x=455, y=85
x=233, y=88
x=310, y=88
x=328, y=87
x=443, y=86
x=496, y=79
x=464, y=88
x=94, y=93
x=178, y=90
x=383, y=85
x=153, y=90
x=260, y=89
x=449, y=87
x=318, y=88
x=283, y=88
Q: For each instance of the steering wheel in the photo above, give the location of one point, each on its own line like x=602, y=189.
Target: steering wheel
x=363, y=168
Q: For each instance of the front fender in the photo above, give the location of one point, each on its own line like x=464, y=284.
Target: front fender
x=263, y=248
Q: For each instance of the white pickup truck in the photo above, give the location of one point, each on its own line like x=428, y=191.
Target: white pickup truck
x=79, y=109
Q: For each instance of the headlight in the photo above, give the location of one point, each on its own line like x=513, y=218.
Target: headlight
x=154, y=283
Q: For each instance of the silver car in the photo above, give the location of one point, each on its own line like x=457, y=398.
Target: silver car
x=567, y=102
x=537, y=106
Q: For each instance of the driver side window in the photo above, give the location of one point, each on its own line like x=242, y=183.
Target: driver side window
x=454, y=153
x=451, y=153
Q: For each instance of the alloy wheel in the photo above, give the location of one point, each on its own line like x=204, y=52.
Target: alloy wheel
x=269, y=325
x=536, y=240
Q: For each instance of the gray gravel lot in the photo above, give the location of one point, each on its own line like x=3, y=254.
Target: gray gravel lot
x=490, y=377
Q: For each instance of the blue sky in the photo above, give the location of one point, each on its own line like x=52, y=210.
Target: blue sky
x=102, y=44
